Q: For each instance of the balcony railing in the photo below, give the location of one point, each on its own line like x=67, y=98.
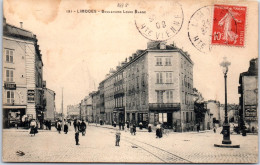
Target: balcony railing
x=120, y=91
x=164, y=106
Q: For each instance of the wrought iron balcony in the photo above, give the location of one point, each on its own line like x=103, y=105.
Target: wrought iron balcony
x=120, y=91
x=164, y=106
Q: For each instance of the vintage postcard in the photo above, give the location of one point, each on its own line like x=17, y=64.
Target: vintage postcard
x=128, y=81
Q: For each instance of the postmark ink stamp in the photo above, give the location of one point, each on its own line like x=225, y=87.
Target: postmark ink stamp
x=160, y=22
x=229, y=25
x=200, y=28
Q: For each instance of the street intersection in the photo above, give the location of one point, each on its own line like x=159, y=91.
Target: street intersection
x=99, y=146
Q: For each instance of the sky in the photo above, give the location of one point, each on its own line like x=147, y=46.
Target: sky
x=78, y=49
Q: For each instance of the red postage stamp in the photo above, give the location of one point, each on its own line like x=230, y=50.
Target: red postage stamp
x=229, y=25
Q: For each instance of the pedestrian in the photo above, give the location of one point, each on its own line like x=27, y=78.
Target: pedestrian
x=157, y=131
x=59, y=126
x=78, y=125
x=140, y=125
x=198, y=128
x=120, y=124
x=214, y=129
x=49, y=124
x=131, y=129
x=114, y=123
x=83, y=127
x=134, y=129
x=123, y=126
x=66, y=128
x=77, y=137
x=33, y=127
x=127, y=125
x=149, y=127
x=253, y=129
x=75, y=124
x=56, y=124
x=118, y=134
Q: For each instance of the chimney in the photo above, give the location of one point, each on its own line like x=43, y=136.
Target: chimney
x=21, y=25
x=152, y=44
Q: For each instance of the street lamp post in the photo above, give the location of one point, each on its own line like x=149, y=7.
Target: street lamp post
x=226, y=142
x=226, y=126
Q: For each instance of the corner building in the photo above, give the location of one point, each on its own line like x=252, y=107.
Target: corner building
x=22, y=77
x=152, y=86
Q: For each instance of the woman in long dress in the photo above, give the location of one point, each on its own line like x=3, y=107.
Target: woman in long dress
x=33, y=127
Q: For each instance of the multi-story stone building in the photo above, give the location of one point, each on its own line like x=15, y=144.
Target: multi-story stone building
x=102, y=101
x=49, y=97
x=88, y=108
x=22, y=76
x=153, y=86
x=248, y=100
x=95, y=106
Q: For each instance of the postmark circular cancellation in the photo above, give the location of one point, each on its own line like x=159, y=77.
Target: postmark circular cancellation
x=200, y=28
x=161, y=22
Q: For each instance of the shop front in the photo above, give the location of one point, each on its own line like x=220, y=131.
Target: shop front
x=162, y=113
x=13, y=116
x=143, y=118
x=164, y=118
x=119, y=115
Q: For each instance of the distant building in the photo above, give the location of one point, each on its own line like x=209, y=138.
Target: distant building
x=73, y=111
x=233, y=113
x=248, y=100
x=214, y=108
x=22, y=76
x=88, y=109
x=95, y=110
x=49, y=97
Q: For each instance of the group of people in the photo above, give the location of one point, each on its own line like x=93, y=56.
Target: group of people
x=47, y=124
x=79, y=126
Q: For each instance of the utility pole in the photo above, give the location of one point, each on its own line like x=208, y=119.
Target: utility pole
x=62, y=117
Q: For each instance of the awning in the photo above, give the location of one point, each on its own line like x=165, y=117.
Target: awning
x=14, y=107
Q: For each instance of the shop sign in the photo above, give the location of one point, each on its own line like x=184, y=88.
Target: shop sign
x=250, y=113
x=30, y=95
x=10, y=86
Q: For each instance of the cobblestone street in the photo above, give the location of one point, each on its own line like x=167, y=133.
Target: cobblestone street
x=99, y=144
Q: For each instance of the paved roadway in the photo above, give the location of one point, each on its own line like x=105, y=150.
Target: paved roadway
x=99, y=146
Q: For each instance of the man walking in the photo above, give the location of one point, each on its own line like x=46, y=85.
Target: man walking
x=77, y=137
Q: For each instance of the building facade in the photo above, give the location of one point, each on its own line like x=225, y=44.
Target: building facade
x=22, y=76
x=95, y=106
x=73, y=111
x=151, y=86
x=49, y=97
x=214, y=107
x=248, y=100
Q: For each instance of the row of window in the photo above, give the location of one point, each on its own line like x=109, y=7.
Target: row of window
x=159, y=61
x=164, y=77
x=160, y=96
x=187, y=116
x=187, y=98
x=119, y=102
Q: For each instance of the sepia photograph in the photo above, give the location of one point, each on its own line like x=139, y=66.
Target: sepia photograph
x=128, y=81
